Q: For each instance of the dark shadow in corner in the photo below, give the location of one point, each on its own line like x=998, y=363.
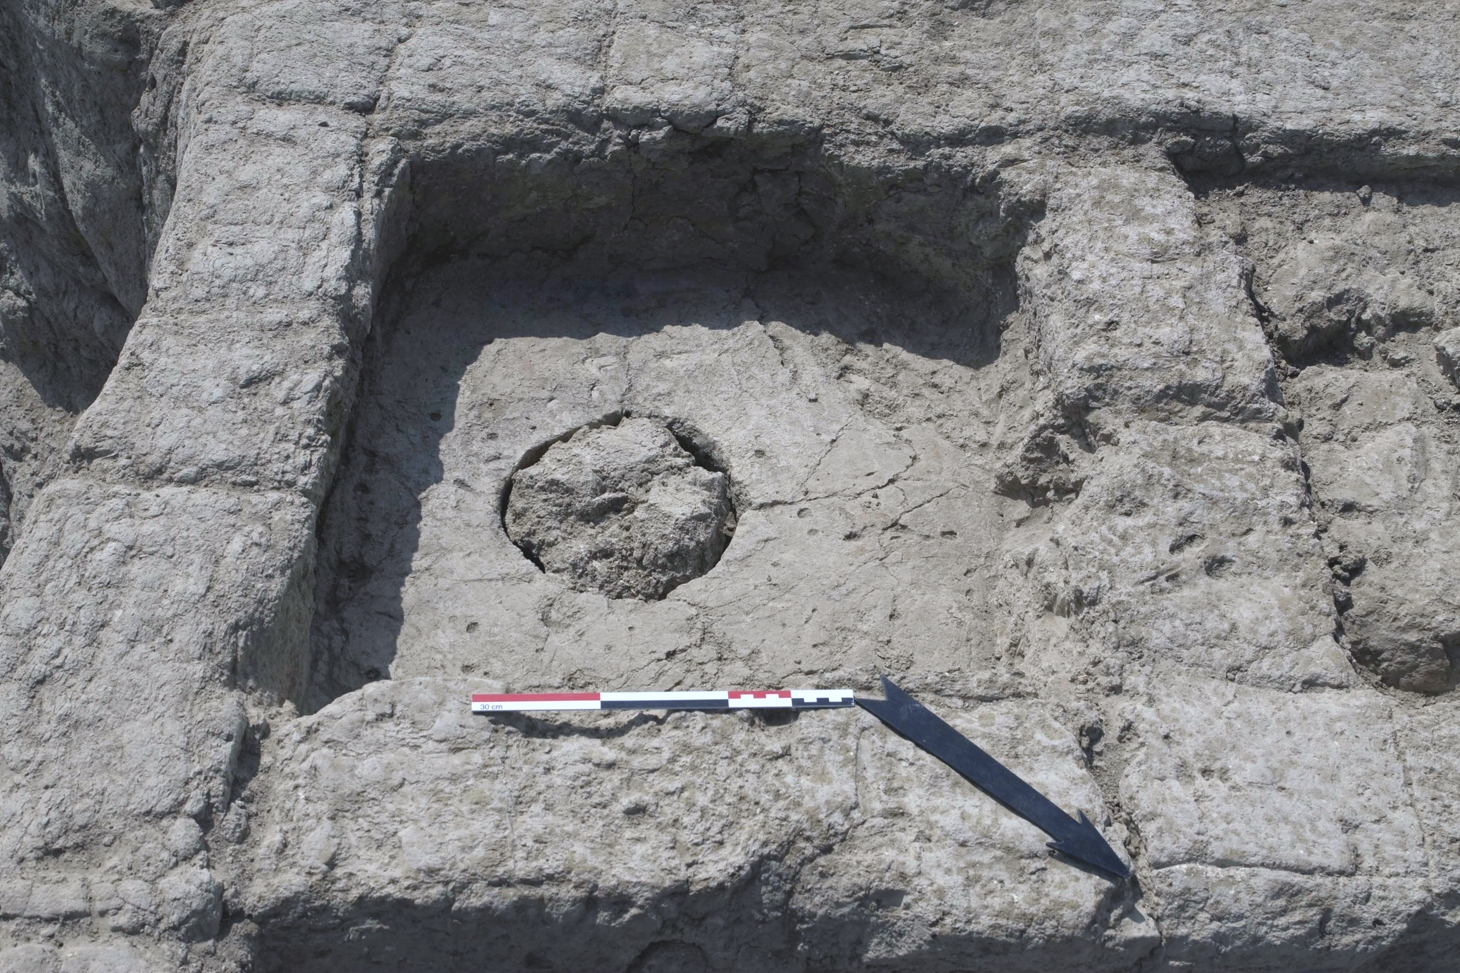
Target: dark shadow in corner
x=70, y=294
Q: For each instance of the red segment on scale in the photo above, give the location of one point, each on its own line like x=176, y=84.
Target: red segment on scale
x=534, y=697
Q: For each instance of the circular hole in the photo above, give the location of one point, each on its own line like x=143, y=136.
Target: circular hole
x=630, y=507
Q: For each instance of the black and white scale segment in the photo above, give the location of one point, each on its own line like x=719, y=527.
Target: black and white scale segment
x=712, y=699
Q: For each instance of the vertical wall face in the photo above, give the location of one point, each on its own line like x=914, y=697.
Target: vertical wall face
x=1046, y=374
x=1357, y=286
x=166, y=569
x=73, y=229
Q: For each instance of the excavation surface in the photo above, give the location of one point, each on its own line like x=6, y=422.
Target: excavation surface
x=854, y=426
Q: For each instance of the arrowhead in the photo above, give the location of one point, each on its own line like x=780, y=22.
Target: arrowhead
x=1077, y=839
x=885, y=709
x=1088, y=845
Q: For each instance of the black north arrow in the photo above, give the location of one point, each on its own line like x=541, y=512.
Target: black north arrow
x=913, y=720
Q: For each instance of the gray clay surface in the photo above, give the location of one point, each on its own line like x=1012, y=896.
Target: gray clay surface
x=1089, y=368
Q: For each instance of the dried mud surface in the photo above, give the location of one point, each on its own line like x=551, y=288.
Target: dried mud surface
x=1093, y=370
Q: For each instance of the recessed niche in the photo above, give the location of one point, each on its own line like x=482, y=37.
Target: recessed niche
x=565, y=413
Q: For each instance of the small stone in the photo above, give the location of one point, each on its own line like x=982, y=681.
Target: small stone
x=1447, y=353
x=190, y=901
x=184, y=838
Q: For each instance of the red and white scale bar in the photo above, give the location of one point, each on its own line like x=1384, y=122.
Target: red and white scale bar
x=690, y=699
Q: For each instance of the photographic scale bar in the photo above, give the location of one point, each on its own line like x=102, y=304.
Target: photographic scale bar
x=688, y=699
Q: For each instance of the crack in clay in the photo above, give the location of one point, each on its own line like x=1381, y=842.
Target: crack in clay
x=897, y=523
x=816, y=467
